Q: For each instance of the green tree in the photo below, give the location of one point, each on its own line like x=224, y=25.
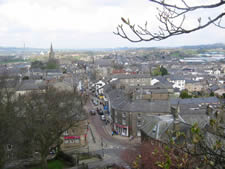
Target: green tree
x=160, y=70
x=163, y=71
x=212, y=93
x=184, y=94
x=37, y=64
x=156, y=71
x=52, y=64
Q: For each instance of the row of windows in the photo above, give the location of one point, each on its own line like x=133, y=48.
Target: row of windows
x=125, y=115
x=139, y=122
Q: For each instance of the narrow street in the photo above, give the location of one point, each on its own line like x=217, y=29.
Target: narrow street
x=101, y=141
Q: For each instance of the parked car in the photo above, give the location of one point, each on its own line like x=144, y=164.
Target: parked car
x=103, y=117
x=93, y=112
x=99, y=111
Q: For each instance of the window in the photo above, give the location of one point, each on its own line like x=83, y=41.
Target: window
x=124, y=115
x=66, y=141
x=124, y=122
x=139, y=123
x=71, y=141
x=139, y=115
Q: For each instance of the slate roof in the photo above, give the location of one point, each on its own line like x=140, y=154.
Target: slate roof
x=156, y=126
x=131, y=76
x=104, y=62
x=205, y=100
x=200, y=118
x=120, y=101
x=214, y=88
x=53, y=71
x=38, y=70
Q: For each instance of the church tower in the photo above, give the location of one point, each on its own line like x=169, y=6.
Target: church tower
x=51, y=53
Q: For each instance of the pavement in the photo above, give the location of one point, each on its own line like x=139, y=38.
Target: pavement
x=108, y=131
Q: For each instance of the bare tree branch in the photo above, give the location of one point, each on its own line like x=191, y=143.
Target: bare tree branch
x=168, y=17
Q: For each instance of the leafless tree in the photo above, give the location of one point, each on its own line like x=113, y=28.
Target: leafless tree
x=45, y=116
x=7, y=103
x=172, y=16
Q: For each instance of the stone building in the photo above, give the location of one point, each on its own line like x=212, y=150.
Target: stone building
x=75, y=136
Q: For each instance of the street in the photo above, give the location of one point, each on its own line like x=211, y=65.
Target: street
x=103, y=143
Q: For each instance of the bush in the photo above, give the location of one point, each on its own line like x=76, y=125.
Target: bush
x=54, y=164
x=66, y=157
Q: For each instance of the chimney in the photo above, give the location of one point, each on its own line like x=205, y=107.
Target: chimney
x=174, y=112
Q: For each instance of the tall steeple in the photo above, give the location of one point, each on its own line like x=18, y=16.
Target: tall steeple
x=51, y=53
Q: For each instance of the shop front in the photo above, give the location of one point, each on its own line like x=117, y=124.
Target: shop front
x=121, y=129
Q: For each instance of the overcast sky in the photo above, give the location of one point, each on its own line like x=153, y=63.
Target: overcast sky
x=84, y=24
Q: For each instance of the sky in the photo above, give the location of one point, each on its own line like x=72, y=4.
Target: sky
x=81, y=24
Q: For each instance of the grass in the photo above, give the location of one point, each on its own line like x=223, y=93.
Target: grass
x=55, y=164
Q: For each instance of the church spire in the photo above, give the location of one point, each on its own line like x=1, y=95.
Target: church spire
x=51, y=48
x=51, y=53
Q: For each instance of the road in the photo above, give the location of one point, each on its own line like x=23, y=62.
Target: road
x=106, y=144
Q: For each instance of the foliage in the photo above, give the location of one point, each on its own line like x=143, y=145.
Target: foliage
x=163, y=71
x=37, y=64
x=212, y=94
x=160, y=70
x=155, y=155
x=223, y=95
x=156, y=72
x=55, y=164
x=184, y=94
x=52, y=64
x=69, y=159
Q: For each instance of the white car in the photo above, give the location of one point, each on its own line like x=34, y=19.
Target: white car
x=103, y=117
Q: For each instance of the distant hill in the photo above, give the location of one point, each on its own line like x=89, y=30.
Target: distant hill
x=207, y=46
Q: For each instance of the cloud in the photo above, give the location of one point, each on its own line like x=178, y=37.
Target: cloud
x=70, y=23
x=79, y=15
